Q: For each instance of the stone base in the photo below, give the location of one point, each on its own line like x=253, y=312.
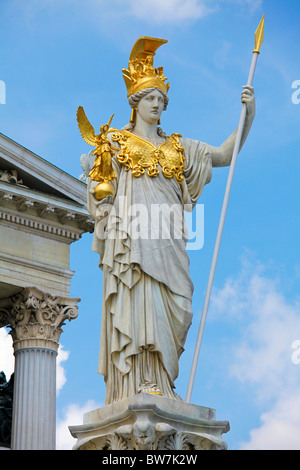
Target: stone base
x=150, y=422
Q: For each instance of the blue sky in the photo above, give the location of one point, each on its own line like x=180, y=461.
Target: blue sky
x=58, y=54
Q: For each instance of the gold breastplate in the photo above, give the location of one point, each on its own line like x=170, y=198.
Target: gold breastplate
x=140, y=156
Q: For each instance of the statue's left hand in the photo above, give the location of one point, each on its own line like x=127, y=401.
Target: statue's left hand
x=248, y=97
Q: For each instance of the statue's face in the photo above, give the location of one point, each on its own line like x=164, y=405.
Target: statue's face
x=151, y=106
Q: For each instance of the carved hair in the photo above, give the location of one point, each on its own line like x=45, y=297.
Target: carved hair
x=133, y=101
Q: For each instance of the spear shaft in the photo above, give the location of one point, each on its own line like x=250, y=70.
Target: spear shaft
x=259, y=37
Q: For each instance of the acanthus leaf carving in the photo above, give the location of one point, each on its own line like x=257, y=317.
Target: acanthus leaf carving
x=36, y=317
x=115, y=442
x=151, y=439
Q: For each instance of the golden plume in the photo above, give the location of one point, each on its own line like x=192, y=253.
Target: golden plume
x=141, y=72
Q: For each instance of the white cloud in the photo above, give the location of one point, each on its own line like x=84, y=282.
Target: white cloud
x=169, y=11
x=60, y=371
x=280, y=427
x=268, y=325
x=274, y=321
x=72, y=415
x=177, y=11
x=252, y=5
x=150, y=11
x=7, y=359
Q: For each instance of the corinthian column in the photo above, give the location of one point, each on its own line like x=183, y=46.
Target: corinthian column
x=35, y=319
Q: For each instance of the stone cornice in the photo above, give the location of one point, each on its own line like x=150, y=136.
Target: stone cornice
x=21, y=158
x=31, y=224
x=33, y=210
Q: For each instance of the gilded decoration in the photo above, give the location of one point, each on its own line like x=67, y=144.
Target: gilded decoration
x=141, y=72
x=102, y=169
x=137, y=154
x=140, y=156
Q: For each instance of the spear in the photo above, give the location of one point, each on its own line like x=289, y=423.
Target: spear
x=259, y=38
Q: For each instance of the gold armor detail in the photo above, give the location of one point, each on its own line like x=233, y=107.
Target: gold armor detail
x=141, y=72
x=140, y=156
x=137, y=154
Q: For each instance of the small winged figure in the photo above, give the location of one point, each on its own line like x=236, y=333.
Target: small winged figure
x=102, y=170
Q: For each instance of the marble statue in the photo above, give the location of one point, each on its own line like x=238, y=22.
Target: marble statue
x=147, y=294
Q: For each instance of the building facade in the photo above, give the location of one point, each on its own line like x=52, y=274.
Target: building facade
x=42, y=211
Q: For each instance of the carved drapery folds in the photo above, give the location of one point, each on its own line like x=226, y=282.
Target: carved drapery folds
x=36, y=318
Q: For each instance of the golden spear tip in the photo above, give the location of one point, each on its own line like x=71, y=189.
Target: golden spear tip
x=259, y=35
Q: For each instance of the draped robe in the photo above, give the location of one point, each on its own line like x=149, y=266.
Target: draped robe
x=147, y=289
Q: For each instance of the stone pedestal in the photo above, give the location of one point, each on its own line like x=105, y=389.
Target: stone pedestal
x=35, y=319
x=149, y=422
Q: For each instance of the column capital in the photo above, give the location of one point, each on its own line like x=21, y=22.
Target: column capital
x=36, y=317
